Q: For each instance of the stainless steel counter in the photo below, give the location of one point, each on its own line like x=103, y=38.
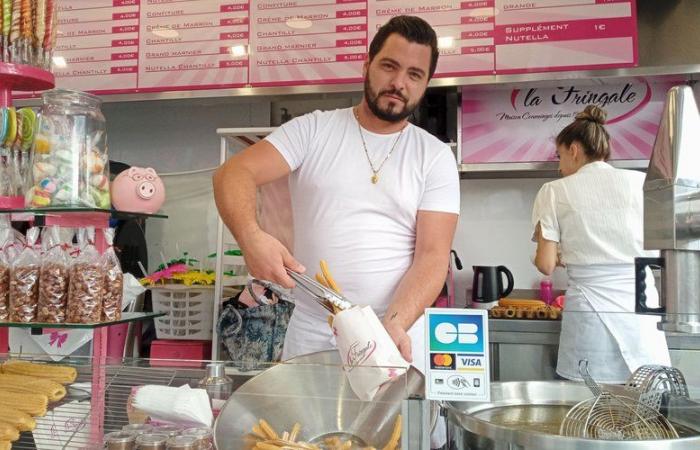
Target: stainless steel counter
x=523, y=350
x=547, y=332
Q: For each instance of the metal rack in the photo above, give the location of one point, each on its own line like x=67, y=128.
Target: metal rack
x=68, y=424
x=232, y=140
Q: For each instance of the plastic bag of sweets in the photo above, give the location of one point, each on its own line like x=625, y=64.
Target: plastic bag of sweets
x=53, y=279
x=113, y=282
x=86, y=285
x=5, y=240
x=24, y=281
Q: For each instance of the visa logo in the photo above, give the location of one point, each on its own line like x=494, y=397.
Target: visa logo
x=470, y=362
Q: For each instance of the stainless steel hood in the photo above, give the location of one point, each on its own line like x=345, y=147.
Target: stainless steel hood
x=672, y=215
x=672, y=185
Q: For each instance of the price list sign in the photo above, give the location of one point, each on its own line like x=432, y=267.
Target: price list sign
x=464, y=29
x=124, y=46
x=97, y=45
x=552, y=35
x=188, y=44
x=298, y=42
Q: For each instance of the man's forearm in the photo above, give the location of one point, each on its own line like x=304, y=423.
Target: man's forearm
x=418, y=289
x=235, y=195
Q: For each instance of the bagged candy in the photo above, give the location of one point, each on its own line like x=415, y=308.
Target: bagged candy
x=86, y=283
x=53, y=279
x=24, y=281
x=5, y=239
x=113, y=281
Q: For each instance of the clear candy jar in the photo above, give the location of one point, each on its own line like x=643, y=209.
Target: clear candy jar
x=70, y=167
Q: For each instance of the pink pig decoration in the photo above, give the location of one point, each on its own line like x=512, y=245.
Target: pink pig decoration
x=138, y=190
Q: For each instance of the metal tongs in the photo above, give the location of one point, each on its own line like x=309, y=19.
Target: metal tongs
x=325, y=297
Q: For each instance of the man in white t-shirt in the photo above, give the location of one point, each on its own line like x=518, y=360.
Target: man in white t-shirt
x=372, y=194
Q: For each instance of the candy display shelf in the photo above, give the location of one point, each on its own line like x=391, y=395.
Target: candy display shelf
x=67, y=211
x=20, y=77
x=126, y=318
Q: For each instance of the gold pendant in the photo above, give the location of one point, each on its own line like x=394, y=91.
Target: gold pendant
x=375, y=178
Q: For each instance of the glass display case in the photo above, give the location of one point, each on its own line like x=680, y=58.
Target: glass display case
x=657, y=408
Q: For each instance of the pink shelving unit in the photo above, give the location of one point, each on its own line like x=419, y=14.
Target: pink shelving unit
x=19, y=77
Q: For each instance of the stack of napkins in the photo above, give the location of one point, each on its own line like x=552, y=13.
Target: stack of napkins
x=183, y=406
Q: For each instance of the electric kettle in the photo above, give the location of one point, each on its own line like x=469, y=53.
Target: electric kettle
x=487, y=286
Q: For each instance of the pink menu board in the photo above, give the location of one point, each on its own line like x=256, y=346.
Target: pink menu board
x=97, y=45
x=193, y=43
x=465, y=31
x=551, y=35
x=307, y=41
x=519, y=125
x=124, y=46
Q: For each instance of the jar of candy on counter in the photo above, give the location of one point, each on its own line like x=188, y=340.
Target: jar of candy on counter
x=70, y=166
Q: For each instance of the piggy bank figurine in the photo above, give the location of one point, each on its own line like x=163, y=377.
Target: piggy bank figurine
x=138, y=190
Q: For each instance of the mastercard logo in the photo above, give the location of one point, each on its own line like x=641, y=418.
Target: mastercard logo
x=442, y=360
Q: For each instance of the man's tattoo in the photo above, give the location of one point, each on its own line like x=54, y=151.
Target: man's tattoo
x=393, y=316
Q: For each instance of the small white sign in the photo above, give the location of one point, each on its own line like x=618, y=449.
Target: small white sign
x=457, y=343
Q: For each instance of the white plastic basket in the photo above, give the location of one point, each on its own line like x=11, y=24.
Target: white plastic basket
x=189, y=311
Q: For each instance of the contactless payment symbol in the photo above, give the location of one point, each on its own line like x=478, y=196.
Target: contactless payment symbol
x=457, y=349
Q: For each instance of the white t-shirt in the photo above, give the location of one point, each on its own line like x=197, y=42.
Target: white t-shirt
x=596, y=214
x=366, y=232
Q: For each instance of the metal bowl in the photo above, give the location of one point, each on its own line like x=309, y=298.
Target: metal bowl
x=527, y=415
x=313, y=390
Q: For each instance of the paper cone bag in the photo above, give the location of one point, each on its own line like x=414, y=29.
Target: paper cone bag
x=368, y=353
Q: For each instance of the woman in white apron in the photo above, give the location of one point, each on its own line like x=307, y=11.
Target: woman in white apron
x=591, y=222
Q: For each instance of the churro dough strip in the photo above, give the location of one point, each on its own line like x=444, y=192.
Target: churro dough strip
x=321, y=280
x=395, y=435
x=265, y=446
x=496, y=312
x=268, y=430
x=295, y=431
x=258, y=432
x=329, y=278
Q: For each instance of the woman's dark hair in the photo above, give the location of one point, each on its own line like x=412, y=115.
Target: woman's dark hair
x=588, y=130
x=413, y=29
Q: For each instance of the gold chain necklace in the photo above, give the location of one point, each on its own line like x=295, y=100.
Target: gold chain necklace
x=375, y=172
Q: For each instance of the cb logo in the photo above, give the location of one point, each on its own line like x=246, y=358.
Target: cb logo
x=463, y=333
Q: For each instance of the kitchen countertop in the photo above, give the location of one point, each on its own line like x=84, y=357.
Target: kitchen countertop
x=523, y=331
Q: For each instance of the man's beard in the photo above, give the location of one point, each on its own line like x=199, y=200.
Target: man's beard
x=389, y=114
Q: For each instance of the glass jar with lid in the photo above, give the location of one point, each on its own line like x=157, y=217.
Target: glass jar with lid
x=183, y=443
x=119, y=440
x=138, y=428
x=152, y=441
x=70, y=166
x=205, y=438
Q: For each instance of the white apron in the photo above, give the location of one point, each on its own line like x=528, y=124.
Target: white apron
x=599, y=325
